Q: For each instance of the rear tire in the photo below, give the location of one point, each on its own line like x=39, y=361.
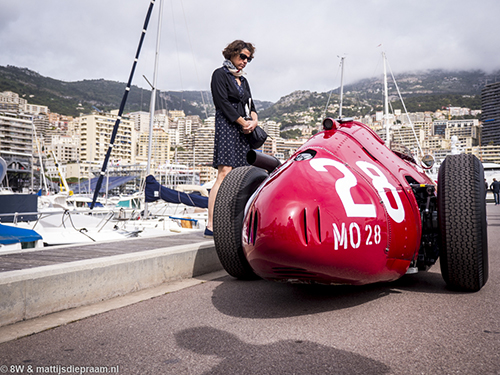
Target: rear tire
x=234, y=192
x=462, y=223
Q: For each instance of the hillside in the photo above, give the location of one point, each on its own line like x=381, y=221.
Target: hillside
x=68, y=98
x=422, y=91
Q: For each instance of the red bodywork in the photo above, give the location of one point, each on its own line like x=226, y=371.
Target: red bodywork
x=346, y=215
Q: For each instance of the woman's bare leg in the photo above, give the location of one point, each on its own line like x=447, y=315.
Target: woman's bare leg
x=222, y=172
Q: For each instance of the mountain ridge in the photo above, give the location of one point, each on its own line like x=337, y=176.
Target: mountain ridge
x=433, y=87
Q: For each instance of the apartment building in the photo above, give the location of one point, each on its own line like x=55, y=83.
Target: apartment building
x=436, y=142
x=198, y=148
x=16, y=133
x=408, y=136
x=95, y=135
x=11, y=102
x=16, y=148
x=467, y=131
x=34, y=109
x=207, y=173
x=490, y=115
x=141, y=121
x=66, y=148
x=272, y=128
x=160, y=147
x=42, y=125
x=487, y=154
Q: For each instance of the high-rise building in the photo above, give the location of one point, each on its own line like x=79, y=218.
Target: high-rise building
x=16, y=148
x=160, y=147
x=11, y=102
x=271, y=128
x=43, y=127
x=16, y=133
x=490, y=115
x=95, y=136
x=66, y=148
x=141, y=121
x=198, y=148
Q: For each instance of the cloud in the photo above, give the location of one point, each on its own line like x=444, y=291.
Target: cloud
x=298, y=42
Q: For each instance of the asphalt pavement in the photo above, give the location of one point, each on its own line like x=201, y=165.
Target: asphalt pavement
x=225, y=326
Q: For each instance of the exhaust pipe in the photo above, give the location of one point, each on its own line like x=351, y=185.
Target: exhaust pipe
x=261, y=160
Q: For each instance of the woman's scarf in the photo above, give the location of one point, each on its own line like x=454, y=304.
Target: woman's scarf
x=230, y=66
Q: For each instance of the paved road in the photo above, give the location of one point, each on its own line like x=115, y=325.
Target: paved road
x=412, y=326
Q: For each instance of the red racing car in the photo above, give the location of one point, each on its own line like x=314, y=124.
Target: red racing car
x=346, y=209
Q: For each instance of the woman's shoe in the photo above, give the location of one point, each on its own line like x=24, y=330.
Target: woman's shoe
x=208, y=233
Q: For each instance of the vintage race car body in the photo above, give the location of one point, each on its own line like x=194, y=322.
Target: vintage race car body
x=343, y=209
x=340, y=210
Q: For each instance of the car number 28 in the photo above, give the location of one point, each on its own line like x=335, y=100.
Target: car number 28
x=380, y=183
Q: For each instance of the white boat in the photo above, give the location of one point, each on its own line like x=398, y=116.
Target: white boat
x=16, y=239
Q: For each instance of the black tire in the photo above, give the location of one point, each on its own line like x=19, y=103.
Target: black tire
x=234, y=192
x=462, y=223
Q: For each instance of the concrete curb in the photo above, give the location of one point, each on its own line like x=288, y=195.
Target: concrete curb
x=35, y=292
x=32, y=326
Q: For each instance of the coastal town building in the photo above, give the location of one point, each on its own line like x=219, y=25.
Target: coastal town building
x=407, y=136
x=11, y=102
x=161, y=120
x=487, y=154
x=16, y=148
x=198, y=148
x=271, y=127
x=141, y=121
x=82, y=142
x=207, y=173
x=160, y=147
x=66, y=148
x=490, y=114
x=34, y=109
x=95, y=135
x=42, y=125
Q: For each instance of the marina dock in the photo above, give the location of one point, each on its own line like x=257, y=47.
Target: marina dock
x=37, y=282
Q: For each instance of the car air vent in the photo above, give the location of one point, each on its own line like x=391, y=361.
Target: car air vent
x=292, y=272
x=306, y=155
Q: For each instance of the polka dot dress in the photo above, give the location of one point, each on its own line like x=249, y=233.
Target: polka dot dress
x=230, y=144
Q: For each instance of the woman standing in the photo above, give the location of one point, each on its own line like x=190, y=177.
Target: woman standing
x=231, y=95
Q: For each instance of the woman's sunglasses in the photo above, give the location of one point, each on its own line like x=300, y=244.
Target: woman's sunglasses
x=245, y=57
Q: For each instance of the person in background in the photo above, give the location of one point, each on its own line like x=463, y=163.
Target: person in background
x=231, y=94
x=495, y=187
x=486, y=188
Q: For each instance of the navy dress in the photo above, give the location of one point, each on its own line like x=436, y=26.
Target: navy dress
x=230, y=144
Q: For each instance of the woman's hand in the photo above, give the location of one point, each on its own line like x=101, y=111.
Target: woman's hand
x=249, y=126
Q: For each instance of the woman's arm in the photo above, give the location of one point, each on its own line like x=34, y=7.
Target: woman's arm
x=220, y=95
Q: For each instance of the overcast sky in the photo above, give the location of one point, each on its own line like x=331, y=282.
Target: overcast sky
x=298, y=42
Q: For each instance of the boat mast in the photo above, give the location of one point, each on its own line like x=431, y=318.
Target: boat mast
x=42, y=172
x=122, y=107
x=341, y=85
x=153, y=100
x=153, y=91
x=386, y=105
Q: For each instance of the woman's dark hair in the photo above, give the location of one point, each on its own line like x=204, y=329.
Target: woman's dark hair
x=236, y=47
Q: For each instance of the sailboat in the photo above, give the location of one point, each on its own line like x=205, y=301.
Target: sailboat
x=152, y=190
x=12, y=238
x=418, y=157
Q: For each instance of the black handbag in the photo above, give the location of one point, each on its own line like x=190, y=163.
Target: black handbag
x=257, y=138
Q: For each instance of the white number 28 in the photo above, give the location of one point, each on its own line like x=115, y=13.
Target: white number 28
x=343, y=187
